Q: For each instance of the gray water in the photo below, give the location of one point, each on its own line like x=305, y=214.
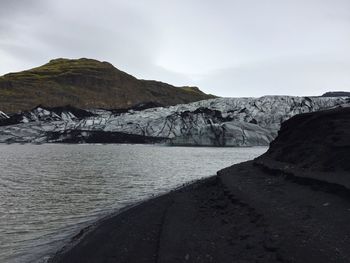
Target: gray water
x=49, y=192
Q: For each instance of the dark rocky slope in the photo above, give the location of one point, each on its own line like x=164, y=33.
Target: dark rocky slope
x=319, y=141
x=313, y=146
x=86, y=83
x=250, y=212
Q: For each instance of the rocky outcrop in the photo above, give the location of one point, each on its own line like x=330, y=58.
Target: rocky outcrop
x=215, y=122
x=316, y=141
x=313, y=148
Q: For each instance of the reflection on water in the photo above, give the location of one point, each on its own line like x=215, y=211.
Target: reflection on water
x=48, y=192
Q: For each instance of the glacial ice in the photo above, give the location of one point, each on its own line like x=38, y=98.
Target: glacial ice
x=214, y=122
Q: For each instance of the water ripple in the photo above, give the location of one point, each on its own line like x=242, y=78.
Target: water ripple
x=49, y=192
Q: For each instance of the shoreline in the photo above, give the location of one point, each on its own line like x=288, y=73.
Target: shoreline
x=81, y=233
x=122, y=181
x=220, y=219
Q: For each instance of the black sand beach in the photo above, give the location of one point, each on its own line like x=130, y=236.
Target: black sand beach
x=290, y=205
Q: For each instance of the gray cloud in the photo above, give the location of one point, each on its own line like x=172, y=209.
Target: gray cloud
x=299, y=75
x=229, y=48
x=13, y=7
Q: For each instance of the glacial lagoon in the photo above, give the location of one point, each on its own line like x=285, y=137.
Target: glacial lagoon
x=49, y=192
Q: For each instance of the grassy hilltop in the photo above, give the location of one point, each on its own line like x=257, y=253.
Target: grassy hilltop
x=86, y=83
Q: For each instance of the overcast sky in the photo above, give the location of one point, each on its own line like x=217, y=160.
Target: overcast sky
x=229, y=48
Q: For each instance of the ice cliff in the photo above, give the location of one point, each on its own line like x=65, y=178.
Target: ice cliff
x=214, y=122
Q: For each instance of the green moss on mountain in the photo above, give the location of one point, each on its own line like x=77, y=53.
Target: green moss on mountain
x=86, y=83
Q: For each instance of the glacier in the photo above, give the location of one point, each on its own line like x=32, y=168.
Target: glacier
x=213, y=122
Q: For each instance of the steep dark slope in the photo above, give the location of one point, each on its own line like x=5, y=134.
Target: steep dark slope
x=317, y=141
x=86, y=83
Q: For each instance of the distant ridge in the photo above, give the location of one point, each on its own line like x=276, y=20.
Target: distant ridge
x=86, y=83
x=336, y=94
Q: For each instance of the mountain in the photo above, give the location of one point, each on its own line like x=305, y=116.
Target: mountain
x=86, y=83
x=214, y=122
